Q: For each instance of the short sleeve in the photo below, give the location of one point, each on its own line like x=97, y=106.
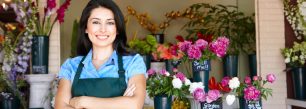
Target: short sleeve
x=137, y=66
x=65, y=71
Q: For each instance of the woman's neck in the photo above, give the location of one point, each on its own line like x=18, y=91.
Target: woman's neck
x=102, y=53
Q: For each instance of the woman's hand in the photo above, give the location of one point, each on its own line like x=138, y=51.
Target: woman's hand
x=77, y=102
x=130, y=90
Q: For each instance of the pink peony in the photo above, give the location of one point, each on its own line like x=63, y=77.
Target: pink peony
x=212, y=95
x=201, y=44
x=184, y=46
x=270, y=78
x=251, y=93
x=150, y=72
x=225, y=81
x=199, y=95
x=219, y=47
x=194, y=52
x=255, y=78
x=181, y=76
x=163, y=72
x=247, y=80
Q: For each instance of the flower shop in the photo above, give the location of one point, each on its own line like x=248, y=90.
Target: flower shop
x=199, y=54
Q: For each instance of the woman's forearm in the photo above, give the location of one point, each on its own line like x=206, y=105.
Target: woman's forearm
x=122, y=102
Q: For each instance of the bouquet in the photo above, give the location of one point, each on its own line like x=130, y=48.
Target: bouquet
x=167, y=52
x=295, y=56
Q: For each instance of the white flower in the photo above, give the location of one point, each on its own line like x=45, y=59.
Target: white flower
x=230, y=99
x=234, y=83
x=167, y=74
x=287, y=60
x=193, y=86
x=177, y=83
x=187, y=82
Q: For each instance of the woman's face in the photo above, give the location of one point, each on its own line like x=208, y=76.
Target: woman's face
x=101, y=27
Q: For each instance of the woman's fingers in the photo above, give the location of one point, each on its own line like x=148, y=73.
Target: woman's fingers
x=130, y=90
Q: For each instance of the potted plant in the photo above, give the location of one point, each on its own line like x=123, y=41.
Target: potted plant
x=162, y=86
x=251, y=91
x=199, y=51
x=144, y=47
x=39, y=27
x=295, y=61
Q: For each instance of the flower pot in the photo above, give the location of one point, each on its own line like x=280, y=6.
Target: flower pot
x=159, y=38
x=9, y=103
x=201, y=71
x=162, y=102
x=230, y=65
x=40, y=54
x=170, y=64
x=157, y=66
x=245, y=104
x=213, y=105
x=193, y=103
x=299, y=83
x=252, y=65
x=147, y=60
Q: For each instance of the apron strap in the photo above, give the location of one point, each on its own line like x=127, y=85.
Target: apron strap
x=78, y=73
x=120, y=66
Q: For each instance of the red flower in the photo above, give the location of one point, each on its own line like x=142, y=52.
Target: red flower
x=208, y=37
x=213, y=85
x=61, y=11
x=179, y=38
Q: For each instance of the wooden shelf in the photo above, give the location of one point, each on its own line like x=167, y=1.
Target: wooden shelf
x=293, y=102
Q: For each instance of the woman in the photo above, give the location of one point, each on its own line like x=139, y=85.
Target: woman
x=98, y=77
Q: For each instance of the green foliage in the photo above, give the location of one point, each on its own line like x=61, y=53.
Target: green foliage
x=222, y=20
x=159, y=85
x=74, y=38
x=145, y=46
x=295, y=56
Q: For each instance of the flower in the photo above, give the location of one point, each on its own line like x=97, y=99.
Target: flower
x=212, y=95
x=295, y=56
x=234, y=83
x=270, y=78
x=230, y=99
x=247, y=80
x=255, y=90
x=167, y=52
x=203, y=48
x=199, y=95
x=177, y=83
x=27, y=12
x=296, y=16
x=193, y=86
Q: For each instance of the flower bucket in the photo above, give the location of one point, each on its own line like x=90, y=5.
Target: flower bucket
x=157, y=66
x=299, y=83
x=170, y=64
x=245, y=104
x=10, y=103
x=147, y=60
x=193, y=103
x=162, y=102
x=252, y=65
x=201, y=71
x=230, y=65
x=40, y=54
x=159, y=38
x=213, y=105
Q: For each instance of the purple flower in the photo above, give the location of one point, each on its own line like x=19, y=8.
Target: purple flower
x=201, y=44
x=199, y=95
x=194, y=52
x=247, y=80
x=251, y=93
x=219, y=47
x=150, y=72
x=270, y=78
x=225, y=81
x=181, y=76
x=183, y=46
x=212, y=95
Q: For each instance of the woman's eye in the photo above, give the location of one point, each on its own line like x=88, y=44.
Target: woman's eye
x=111, y=23
x=95, y=22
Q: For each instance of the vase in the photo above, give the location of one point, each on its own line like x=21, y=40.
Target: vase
x=252, y=65
x=162, y=102
x=193, y=103
x=245, y=104
x=159, y=38
x=40, y=54
x=230, y=65
x=213, y=105
x=299, y=83
x=158, y=66
x=200, y=71
x=170, y=64
x=147, y=60
x=10, y=103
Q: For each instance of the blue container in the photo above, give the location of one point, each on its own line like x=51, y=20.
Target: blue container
x=200, y=71
x=162, y=102
x=230, y=65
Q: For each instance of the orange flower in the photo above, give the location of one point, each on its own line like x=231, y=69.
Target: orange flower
x=1, y=39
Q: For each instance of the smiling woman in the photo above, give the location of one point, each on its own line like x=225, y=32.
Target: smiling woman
x=104, y=73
